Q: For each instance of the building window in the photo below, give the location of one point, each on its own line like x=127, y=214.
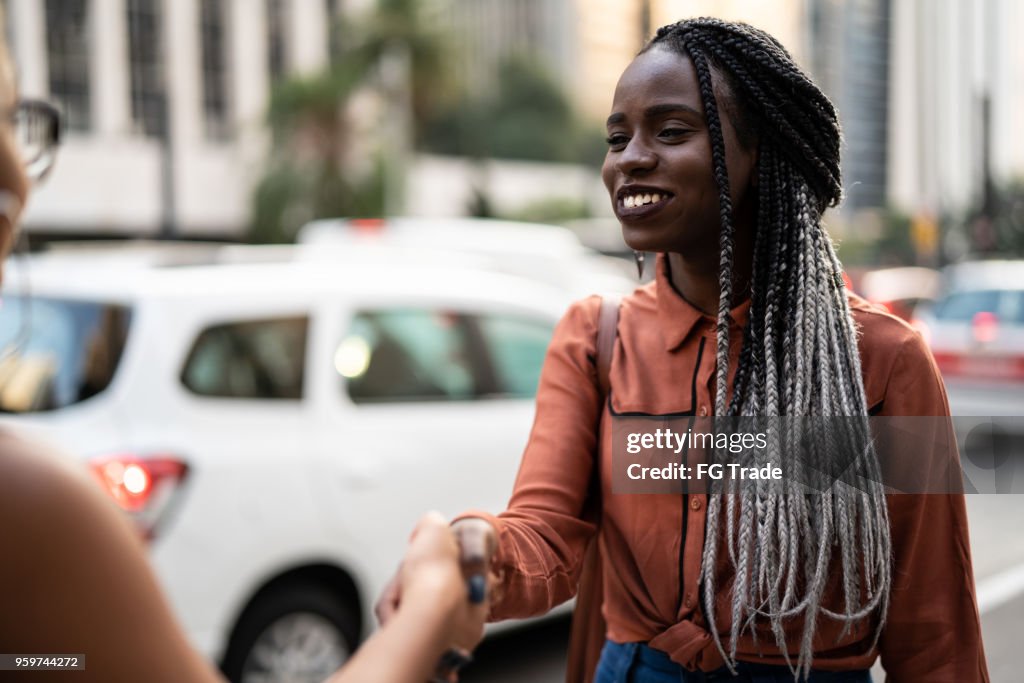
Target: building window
x=67, y=48
x=277, y=30
x=145, y=49
x=212, y=25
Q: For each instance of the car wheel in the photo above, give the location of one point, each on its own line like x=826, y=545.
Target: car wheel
x=297, y=633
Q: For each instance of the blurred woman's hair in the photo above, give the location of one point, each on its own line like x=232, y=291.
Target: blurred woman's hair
x=799, y=356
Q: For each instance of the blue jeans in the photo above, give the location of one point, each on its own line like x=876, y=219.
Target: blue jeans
x=637, y=663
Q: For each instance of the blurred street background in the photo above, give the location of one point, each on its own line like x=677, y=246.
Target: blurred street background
x=243, y=119
x=241, y=122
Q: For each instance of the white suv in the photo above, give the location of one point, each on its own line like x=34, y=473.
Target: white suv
x=275, y=428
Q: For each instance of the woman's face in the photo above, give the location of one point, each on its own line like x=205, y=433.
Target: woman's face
x=13, y=182
x=659, y=170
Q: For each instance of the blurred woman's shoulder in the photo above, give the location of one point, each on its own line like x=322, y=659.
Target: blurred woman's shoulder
x=32, y=470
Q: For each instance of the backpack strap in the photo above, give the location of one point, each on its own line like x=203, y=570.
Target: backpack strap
x=588, y=626
x=607, y=329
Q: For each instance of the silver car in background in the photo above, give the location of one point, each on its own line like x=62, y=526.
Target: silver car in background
x=975, y=328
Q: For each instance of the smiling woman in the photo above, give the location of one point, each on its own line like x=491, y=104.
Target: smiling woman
x=722, y=157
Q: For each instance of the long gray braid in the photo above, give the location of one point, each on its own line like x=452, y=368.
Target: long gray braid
x=799, y=354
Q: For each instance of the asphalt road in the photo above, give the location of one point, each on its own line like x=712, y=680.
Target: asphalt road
x=537, y=654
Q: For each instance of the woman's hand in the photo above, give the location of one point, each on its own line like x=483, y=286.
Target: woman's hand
x=439, y=564
x=477, y=544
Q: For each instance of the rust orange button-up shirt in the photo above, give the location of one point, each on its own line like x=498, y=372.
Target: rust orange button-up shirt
x=664, y=363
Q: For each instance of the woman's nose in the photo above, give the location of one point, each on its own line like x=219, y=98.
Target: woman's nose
x=636, y=159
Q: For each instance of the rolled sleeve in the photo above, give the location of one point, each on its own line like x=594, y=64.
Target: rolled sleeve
x=542, y=536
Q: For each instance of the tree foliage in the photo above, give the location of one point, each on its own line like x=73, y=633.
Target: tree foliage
x=1000, y=230
x=309, y=173
x=527, y=116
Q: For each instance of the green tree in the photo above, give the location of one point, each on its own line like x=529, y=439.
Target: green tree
x=999, y=232
x=528, y=116
x=309, y=173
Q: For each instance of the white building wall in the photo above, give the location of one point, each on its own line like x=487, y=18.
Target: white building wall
x=308, y=39
x=945, y=54
x=111, y=107
x=1008, y=79
x=109, y=179
x=109, y=185
x=27, y=26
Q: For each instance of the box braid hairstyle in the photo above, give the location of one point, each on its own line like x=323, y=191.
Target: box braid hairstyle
x=799, y=356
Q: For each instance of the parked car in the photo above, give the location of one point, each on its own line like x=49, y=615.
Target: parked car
x=275, y=423
x=976, y=326
x=544, y=253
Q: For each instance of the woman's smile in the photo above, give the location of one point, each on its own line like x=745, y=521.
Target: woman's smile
x=639, y=202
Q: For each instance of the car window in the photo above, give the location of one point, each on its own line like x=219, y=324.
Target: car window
x=517, y=347
x=254, y=359
x=401, y=355
x=962, y=306
x=55, y=352
x=408, y=355
x=1007, y=305
x=1011, y=307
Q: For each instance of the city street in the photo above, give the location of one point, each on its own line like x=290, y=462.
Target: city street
x=280, y=276
x=538, y=654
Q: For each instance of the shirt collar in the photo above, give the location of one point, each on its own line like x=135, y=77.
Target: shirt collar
x=678, y=317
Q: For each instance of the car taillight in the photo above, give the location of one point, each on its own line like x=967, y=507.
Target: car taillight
x=141, y=487
x=985, y=327
x=368, y=226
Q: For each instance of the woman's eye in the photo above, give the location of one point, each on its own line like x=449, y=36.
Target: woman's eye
x=616, y=140
x=673, y=133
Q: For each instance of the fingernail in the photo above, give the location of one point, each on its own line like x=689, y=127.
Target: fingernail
x=477, y=588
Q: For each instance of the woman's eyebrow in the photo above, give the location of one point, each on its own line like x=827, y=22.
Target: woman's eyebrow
x=670, y=108
x=657, y=110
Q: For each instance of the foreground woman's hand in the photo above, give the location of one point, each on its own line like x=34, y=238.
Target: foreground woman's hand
x=435, y=573
x=425, y=610
x=475, y=542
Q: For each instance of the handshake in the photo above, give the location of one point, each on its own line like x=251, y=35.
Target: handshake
x=437, y=602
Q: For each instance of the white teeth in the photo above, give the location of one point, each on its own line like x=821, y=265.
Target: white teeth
x=635, y=200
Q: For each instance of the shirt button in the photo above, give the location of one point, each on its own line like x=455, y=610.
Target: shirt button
x=689, y=600
x=703, y=411
x=695, y=503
